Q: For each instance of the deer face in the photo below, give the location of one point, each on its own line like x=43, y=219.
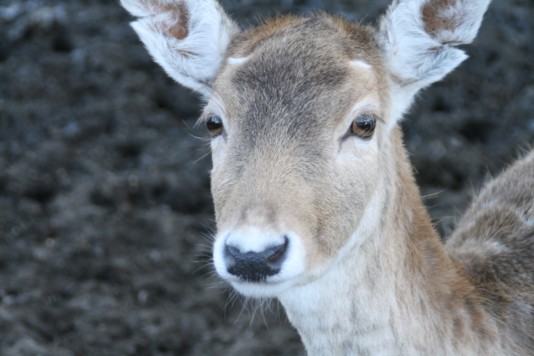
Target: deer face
x=297, y=117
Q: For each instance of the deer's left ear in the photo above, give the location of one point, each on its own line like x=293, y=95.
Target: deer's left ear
x=418, y=39
x=188, y=38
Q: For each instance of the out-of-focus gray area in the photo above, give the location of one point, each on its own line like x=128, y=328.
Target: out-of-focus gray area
x=105, y=210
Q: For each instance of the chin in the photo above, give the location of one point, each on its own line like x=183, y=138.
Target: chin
x=261, y=289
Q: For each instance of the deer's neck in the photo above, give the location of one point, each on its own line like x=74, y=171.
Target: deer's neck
x=396, y=293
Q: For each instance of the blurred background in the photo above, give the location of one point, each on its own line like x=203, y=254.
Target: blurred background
x=105, y=210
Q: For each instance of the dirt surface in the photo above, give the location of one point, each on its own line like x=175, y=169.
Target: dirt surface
x=105, y=211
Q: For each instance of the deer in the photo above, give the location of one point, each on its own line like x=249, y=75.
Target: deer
x=315, y=199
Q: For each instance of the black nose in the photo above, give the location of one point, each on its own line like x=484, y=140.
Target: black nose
x=255, y=266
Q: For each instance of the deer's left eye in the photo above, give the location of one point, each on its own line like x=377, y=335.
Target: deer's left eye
x=215, y=125
x=363, y=126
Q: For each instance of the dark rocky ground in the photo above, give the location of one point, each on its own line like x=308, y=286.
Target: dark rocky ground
x=105, y=208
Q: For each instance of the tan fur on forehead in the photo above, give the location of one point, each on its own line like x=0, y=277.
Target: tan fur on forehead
x=244, y=44
x=359, y=39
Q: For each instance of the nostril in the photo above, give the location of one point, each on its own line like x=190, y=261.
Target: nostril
x=233, y=251
x=255, y=266
x=276, y=253
x=230, y=254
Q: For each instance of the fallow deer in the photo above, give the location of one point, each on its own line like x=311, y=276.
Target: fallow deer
x=315, y=199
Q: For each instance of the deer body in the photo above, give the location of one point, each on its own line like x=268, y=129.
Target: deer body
x=315, y=199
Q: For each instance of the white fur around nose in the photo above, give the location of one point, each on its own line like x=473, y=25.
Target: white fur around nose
x=255, y=239
x=237, y=60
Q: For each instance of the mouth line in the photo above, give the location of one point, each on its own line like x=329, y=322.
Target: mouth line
x=262, y=283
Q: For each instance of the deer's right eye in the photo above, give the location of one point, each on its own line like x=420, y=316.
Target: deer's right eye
x=215, y=125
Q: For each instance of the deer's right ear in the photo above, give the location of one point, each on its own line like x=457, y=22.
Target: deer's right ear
x=188, y=38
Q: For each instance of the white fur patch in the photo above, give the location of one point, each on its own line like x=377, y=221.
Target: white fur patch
x=253, y=239
x=360, y=64
x=237, y=60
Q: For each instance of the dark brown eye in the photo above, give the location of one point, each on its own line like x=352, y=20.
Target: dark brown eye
x=363, y=126
x=215, y=125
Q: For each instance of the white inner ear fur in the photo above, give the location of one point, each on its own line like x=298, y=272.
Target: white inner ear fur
x=419, y=53
x=413, y=55
x=193, y=60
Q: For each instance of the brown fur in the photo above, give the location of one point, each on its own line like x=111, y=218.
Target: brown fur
x=434, y=21
x=180, y=30
x=503, y=216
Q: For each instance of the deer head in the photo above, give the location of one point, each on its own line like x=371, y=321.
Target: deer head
x=302, y=113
